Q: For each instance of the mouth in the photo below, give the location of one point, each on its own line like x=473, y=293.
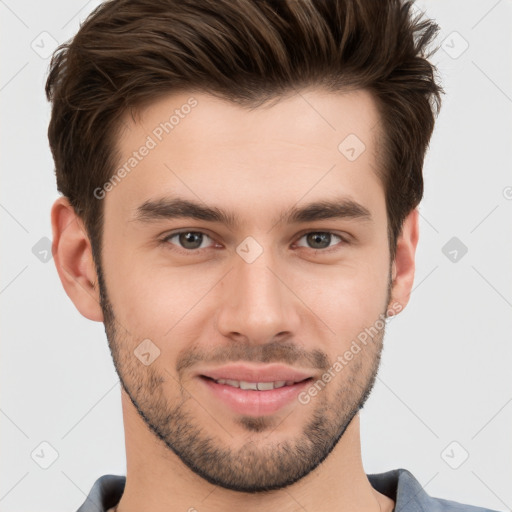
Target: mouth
x=256, y=386
x=254, y=390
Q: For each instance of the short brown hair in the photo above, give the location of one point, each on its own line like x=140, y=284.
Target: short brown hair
x=127, y=53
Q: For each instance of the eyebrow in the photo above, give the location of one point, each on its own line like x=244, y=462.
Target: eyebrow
x=168, y=208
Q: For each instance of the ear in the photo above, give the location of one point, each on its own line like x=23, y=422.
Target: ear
x=72, y=254
x=403, y=266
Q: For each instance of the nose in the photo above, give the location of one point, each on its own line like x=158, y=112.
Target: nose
x=257, y=302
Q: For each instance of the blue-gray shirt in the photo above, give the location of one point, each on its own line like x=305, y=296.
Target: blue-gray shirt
x=398, y=484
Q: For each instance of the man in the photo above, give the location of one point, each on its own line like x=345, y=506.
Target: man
x=240, y=181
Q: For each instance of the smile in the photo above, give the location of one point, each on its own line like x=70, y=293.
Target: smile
x=256, y=386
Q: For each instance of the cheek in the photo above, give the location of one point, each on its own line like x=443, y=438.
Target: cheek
x=348, y=298
x=157, y=302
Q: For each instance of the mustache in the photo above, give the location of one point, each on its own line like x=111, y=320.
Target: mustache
x=273, y=352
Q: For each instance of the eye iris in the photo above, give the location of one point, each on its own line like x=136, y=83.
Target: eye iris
x=190, y=237
x=192, y=240
x=314, y=238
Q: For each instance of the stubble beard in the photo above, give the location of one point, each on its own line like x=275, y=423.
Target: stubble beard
x=260, y=464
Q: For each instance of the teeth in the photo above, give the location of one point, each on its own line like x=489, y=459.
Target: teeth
x=256, y=386
x=248, y=385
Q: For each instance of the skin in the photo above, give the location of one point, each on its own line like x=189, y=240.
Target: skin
x=256, y=164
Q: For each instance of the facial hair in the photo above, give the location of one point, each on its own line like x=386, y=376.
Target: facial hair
x=251, y=468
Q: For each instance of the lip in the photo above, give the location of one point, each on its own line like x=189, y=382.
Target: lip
x=254, y=402
x=256, y=373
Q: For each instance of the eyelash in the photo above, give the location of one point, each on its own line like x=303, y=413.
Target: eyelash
x=166, y=242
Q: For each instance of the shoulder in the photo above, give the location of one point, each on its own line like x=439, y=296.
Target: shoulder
x=104, y=494
x=401, y=486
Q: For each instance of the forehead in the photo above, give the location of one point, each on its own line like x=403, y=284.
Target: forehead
x=302, y=116
x=310, y=143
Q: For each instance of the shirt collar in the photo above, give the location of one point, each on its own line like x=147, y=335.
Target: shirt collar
x=398, y=484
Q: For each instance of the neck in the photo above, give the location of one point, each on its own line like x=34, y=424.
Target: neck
x=157, y=480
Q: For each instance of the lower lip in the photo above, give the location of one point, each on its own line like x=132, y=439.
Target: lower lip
x=255, y=403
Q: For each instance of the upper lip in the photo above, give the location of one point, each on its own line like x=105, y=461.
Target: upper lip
x=255, y=373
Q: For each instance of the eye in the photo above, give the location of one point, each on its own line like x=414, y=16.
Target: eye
x=196, y=241
x=321, y=239
x=188, y=240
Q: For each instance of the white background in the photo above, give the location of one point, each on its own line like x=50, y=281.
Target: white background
x=445, y=374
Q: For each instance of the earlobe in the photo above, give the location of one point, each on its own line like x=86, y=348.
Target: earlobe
x=72, y=254
x=403, y=266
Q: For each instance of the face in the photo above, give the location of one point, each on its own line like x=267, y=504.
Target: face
x=245, y=256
